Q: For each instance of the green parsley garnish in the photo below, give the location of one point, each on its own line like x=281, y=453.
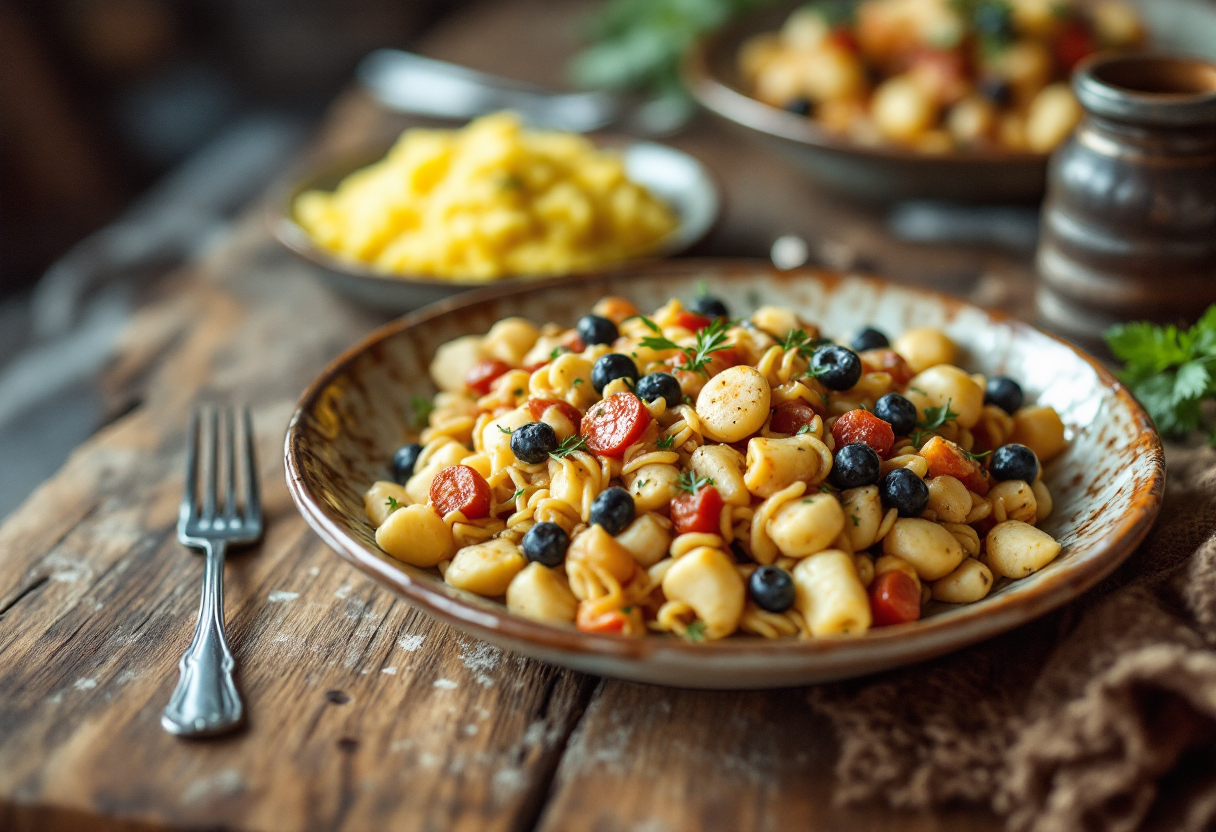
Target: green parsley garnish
x=556, y=351
x=626, y=610
x=802, y=430
x=695, y=631
x=799, y=340
x=421, y=407
x=515, y=496
x=710, y=339
x=692, y=483
x=569, y=446
x=935, y=418
x=503, y=428
x=970, y=455
x=518, y=391
x=1171, y=371
x=856, y=519
x=686, y=399
x=392, y=504
x=826, y=489
x=641, y=484
x=665, y=442
x=576, y=382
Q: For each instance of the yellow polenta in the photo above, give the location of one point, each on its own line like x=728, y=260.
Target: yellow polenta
x=489, y=200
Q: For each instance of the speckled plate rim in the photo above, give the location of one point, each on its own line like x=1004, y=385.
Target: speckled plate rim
x=281, y=221
x=878, y=649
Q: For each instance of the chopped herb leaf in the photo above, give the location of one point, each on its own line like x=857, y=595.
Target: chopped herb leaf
x=665, y=442
x=421, y=407
x=710, y=339
x=856, y=519
x=970, y=455
x=935, y=418
x=556, y=351
x=626, y=610
x=802, y=430
x=392, y=504
x=569, y=446
x=577, y=382
x=695, y=631
x=651, y=325
x=518, y=492
x=518, y=391
x=692, y=482
x=826, y=489
x=503, y=428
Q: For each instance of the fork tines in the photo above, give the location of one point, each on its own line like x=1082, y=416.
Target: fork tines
x=218, y=450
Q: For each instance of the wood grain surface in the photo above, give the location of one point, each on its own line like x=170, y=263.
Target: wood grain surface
x=363, y=714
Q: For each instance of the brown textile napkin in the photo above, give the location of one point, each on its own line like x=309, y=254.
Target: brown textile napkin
x=1088, y=719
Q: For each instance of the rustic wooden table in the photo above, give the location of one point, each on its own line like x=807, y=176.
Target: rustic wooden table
x=364, y=714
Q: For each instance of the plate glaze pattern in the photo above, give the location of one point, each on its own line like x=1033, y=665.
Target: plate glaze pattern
x=1107, y=485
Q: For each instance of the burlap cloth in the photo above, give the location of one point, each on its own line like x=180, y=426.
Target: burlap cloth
x=1101, y=716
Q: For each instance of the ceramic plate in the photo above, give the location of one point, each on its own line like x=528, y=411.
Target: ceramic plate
x=672, y=175
x=892, y=173
x=1107, y=486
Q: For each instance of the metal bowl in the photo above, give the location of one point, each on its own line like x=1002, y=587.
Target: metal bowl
x=672, y=175
x=891, y=173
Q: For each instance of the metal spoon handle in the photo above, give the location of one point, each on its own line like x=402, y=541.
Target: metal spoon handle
x=205, y=701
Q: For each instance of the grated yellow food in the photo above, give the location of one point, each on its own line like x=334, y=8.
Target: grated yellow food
x=486, y=201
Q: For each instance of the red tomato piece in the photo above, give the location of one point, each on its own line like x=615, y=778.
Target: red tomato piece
x=699, y=512
x=894, y=599
x=573, y=342
x=692, y=321
x=946, y=459
x=483, y=374
x=460, y=488
x=537, y=408
x=614, y=424
x=589, y=621
x=864, y=426
x=720, y=360
x=790, y=417
x=841, y=36
x=1074, y=44
x=887, y=361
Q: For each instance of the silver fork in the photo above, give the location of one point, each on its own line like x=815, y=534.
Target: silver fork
x=206, y=701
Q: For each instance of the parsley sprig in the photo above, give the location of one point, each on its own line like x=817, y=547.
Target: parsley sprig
x=695, y=631
x=692, y=483
x=935, y=418
x=665, y=443
x=798, y=339
x=710, y=339
x=1171, y=371
x=569, y=446
x=392, y=504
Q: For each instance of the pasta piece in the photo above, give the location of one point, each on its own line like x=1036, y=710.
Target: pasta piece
x=773, y=464
x=706, y=580
x=416, y=535
x=830, y=596
x=1013, y=500
x=486, y=568
x=724, y=465
x=931, y=549
x=944, y=385
x=595, y=546
x=540, y=593
x=647, y=538
x=1042, y=500
x=808, y=525
x=1015, y=549
x=453, y=360
x=378, y=501
x=653, y=486
x=734, y=404
x=509, y=340
x=949, y=499
x=863, y=511
x=967, y=584
x=925, y=347
x=1041, y=430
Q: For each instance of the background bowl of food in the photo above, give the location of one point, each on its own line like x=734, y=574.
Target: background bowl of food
x=897, y=99
x=445, y=211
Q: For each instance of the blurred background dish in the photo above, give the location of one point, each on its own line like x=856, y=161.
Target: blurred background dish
x=674, y=177
x=883, y=170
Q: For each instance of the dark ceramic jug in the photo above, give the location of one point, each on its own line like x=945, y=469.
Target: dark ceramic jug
x=1129, y=224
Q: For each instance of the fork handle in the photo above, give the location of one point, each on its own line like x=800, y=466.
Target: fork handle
x=205, y=701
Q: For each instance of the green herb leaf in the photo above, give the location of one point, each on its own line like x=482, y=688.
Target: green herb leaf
x=970, y=455
x=1171, y=371
x=392, y=504
x=651, y=325
x=576, y=382
x=825, y=489
x=517, y=493
x=695, y=631
x=692, y=482
x=421, y=407
x=665, y=443
x=503, y=428
x=935, y=418
x=569, y=446
x=802, y=430
x=556, y=351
